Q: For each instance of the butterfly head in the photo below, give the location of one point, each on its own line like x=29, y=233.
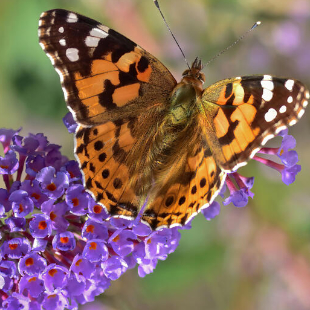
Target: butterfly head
x=194, y=74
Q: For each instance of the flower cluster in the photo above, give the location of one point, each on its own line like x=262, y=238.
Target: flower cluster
x=59, y=248
x=239, y=186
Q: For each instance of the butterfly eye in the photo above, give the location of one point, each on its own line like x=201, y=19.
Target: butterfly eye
x=185, y=72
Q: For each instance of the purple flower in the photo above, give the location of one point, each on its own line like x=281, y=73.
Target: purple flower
x=33, y=144
x=16, y=223
x=4, y=200
x=70, y=123
x=40, y=226
x=55, y=277
x=56, y=212
x=114, y=267
x=239, y=198
x=31, y=264
x=289, y=158
x=53, y=186
x=35, y=192
x=239, y=192
x=77, y=199
x=94, y=230
x=9, y=163
x=64, y=241
x=123, y=242
x=95, y=250
x=6, y=136
x=34, y=164
x=289, y=174
x=73, y=170
x=212, y=211
x=54, y=302
x=147, y=267
x=97, y=212
x=22, y=205
x=75, y=286
x=82, y=267
x=32, y=284
x=141, y=229
x=15, y=248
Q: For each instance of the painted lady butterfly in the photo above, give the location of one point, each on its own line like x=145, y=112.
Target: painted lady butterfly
x=144, y=140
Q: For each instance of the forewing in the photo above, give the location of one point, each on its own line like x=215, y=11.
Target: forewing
x=104, y=75
x=242, y=114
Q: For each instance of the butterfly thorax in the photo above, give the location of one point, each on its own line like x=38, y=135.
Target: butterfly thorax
x=184, y=95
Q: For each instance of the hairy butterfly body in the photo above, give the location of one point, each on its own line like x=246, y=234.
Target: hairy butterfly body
x=145, y=141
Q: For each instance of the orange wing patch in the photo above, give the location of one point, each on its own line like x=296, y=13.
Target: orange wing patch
x=105, y=176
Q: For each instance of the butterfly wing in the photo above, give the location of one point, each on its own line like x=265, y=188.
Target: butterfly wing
x=242, y=114
x=194, y=182
x=104, y=75
x=117, y=92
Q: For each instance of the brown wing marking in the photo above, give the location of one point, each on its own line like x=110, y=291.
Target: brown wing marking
x=198, y=185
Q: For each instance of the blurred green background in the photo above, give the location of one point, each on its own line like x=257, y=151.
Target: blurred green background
x=257, y=257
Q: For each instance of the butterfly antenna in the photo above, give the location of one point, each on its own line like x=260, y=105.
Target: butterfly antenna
x=162, y=15
x=238, y=40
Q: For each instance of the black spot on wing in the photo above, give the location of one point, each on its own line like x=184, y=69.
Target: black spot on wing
x=228, y=90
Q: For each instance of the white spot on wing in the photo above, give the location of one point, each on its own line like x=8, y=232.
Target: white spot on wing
x=61, y=29
x=48, y=31
x=65, y=93
x=301, y=113
x=305, y=103
x=72, y=54
x=267, y=77
x=62, y=42
x=42, y=45
x=92, y=41
x=307, y=94
x=292, y=122
x=96, y=32
x=290, y=99
x=254, y=152
x=51, y=58
x=289, y=84
x=267, y=138
x=267, y=94
x=60, y=74
x=282, y=109
x=270, y=115
x=279, y=129
x=268, y=84
x=72, y=18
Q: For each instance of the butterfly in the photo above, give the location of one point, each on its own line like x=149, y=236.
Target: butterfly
x=146, y=143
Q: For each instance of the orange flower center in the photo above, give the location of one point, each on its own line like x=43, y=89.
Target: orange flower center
x=52, y=272
x=90, y=228
x=51, y=187
x=97, y=209
x=29, y=261
x=64, y=239
x=13, y=246
x=75, y=202
x=93, y=246
x=42, y=225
